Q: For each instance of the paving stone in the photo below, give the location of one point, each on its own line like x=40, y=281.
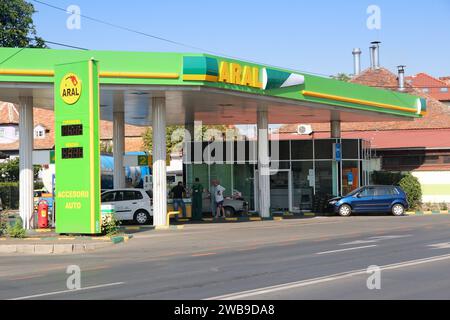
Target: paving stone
x=5, y=248
x=62, y=248
x=25, y=248
x=43, y=249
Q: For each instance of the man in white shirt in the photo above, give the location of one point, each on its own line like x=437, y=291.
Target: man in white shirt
x=219, y=190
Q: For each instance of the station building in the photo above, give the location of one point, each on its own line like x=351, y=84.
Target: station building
x=161, y=89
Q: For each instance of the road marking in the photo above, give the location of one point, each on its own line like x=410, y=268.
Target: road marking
x=348, y=249
x=204, y=254
x=309, y=282
x=445, y=245
x=68, y=291
x=375, y=239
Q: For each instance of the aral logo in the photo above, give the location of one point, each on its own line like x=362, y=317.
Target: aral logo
x=70, y=88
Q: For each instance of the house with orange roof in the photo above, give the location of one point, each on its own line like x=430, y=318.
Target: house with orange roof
x=420, y=146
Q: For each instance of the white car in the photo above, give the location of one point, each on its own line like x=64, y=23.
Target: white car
x=129, y=204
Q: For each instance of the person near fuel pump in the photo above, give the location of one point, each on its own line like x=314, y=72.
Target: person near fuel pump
x=197, y=199
x=178, y=193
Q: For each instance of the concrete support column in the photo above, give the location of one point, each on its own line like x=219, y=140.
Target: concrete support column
x=159, y=162
x=26, y=177
x=119, y=149
x=335, y=129
x=263, y=164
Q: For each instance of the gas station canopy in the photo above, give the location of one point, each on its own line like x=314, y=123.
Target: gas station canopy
x=204, y=88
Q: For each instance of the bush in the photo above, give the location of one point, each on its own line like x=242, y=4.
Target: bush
x=9, y=194
x=413, y=189
x=110, y=225
x=17, y=231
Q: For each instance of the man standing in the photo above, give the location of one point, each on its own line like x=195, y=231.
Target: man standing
x=177, y=196
x=219, y=199
x=197, y=199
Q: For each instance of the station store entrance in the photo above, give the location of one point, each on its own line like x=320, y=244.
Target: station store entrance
x=304, y=168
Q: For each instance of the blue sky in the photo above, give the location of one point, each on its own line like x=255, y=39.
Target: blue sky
x=315, y=36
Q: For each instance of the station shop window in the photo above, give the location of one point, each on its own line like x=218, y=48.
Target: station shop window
x=350, y=149
x=284, y=150
x=324, y=149
x=324, y=177
x=243, y=180
x=350, y=176
x=302, y=150
x=302, y=192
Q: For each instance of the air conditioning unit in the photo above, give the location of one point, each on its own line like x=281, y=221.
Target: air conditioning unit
x=304, y=129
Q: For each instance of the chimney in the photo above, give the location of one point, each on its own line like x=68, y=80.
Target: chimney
x=401, y=78
x=356, y=61
x=372, y=66
x=375, y=49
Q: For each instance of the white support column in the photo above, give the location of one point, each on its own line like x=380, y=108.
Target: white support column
x=159, y=162
x=119, y=149
x=26, y=176
x=263, y=164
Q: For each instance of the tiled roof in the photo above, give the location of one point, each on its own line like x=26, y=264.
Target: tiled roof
x=8, y=113
x=434, y=85
x=438, y=115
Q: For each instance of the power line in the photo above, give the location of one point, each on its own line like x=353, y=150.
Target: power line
x=65, y=45
x=168, y=40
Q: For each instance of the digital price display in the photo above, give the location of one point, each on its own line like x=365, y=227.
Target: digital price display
x=72, y=130
x=72, y=153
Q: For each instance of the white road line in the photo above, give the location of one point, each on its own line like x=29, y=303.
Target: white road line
x=375, y=239
x=68, y=291
x=348, y=249
x=338, y=276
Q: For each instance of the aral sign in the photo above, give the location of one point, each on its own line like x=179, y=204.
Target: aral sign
x=235, y=73
x=77, y=154
x=209, y=69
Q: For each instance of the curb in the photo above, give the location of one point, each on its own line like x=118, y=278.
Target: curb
x=62, y=248
x=427, y=213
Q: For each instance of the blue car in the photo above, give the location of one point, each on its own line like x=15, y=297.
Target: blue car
x=373, y=199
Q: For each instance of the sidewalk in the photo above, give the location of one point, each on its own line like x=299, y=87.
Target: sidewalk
x=49, y=242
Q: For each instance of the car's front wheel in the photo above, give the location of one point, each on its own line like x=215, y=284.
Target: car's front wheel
x=345, y=210
x=229, y=212
x=398, y=210
x=141, y=217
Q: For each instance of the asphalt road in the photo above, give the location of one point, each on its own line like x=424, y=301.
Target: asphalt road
x=322, y=258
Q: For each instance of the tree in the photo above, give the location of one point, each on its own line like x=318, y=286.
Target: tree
x=16, y=25
x=342, y=77
x=175, y=135
x=9, y=171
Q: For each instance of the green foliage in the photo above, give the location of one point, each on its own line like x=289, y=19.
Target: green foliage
x=9, y=195
x=110, y=225
x=387, y=178
x=16, y=25
x=342, y=77
x=3, y=223
x=413, y=189
x=17, y=231
x=9, y=170
x=175, y=135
